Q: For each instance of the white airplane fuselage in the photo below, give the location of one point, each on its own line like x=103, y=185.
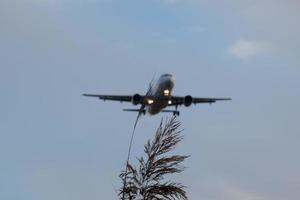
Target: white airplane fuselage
x=160, y=95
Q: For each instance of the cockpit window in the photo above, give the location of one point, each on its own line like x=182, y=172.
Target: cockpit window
x=164, y=75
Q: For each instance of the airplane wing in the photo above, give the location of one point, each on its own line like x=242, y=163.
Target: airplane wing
x=121, y=98
x=178, y=101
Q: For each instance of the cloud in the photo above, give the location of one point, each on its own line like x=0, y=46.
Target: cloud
x=244, y=49
x=217, y=187
x=235, y=193
x=67, y=181
x=275, y=22
x=172, y=1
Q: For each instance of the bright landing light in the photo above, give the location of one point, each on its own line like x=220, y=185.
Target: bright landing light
x=169, y=102
x=166, y=92
x=150, y=101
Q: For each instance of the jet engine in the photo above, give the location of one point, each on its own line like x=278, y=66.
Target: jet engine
x=136, y=99
x=188, y=100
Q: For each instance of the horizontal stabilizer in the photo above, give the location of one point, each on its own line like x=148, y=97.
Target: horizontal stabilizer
x=175, y=112
x=135, y=110
x=132, y=110
x=168, y=111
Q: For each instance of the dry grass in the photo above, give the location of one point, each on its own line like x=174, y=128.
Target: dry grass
x=147, y=180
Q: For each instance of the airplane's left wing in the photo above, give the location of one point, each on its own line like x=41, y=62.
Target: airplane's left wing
x=188, y=100
x=121, y=98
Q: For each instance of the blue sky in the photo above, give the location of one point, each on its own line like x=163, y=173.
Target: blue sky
x=56, y=144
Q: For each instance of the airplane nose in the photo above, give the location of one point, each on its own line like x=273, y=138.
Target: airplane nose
x=168, y=80
x=171, y=82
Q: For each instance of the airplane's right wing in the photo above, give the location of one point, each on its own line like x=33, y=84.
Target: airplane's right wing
x=178, y=101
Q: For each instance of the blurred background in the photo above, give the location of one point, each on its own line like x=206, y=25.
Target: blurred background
x=56, y=144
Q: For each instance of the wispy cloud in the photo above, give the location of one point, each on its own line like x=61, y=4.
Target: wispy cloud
x=245, y=49
x=235, y=193
x=171, y=1
x=217, y=187
x=275, y=22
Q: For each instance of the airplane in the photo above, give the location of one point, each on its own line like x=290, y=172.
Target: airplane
x=158, y=97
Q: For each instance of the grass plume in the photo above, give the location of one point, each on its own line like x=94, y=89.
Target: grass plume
x=147, y=180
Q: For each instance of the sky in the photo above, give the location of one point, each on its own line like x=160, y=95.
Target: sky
x=56, y=144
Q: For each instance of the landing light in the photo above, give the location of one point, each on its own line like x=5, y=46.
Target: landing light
x=150, y=101
x=166, y=92
x=169, y=102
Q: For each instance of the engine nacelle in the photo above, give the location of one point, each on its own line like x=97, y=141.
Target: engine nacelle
x=136, y=99
x=188, y=100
